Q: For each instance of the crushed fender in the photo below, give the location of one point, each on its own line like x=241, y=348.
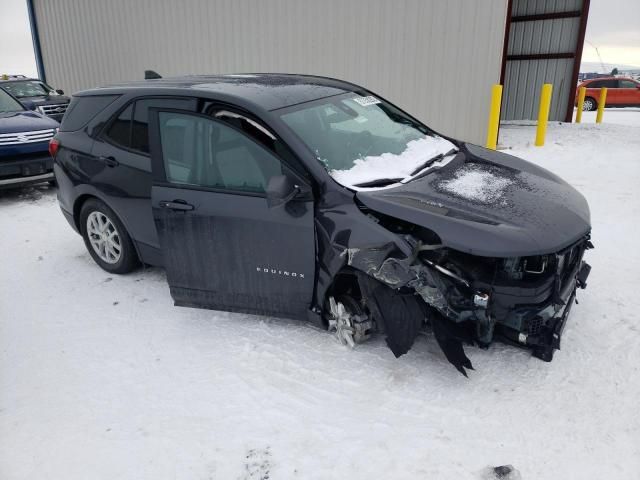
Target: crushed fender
x=400, y=315
x=450, y=336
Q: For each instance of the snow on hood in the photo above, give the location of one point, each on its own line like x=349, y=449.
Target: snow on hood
x=391, y=165
x=476, y=184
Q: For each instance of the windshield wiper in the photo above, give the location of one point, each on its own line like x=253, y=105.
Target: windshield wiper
x=378, y=182
x=433, y=160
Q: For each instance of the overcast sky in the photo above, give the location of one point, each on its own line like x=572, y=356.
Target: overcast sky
x=613, y=27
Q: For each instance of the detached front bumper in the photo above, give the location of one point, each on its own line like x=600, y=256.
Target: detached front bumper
x=528, y=312
x=540, y=326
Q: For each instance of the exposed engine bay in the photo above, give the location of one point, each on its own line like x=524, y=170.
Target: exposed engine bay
x=463, y=298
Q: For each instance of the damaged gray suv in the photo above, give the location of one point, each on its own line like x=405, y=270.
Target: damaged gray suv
x=313, y=198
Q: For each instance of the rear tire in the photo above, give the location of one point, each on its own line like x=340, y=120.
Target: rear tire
x=589, y=104
x=106, y=239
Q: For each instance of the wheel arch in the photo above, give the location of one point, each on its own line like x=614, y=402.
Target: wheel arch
x=84, y=198
x=594, y=100
x=77, y=208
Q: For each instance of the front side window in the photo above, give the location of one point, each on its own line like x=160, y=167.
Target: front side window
x=363, y=141
x=203, y=152
x=29, y=88
x=628, y=84
x=9, y=104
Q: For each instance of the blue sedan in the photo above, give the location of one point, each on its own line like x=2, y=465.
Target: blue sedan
x=24, y=144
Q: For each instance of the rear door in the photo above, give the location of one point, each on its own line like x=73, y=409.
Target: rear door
x=613, y=92
x=223, y=247
x=593, y=90
x=121, y=157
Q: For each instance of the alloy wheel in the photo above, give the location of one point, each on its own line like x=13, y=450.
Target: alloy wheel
x=104, y=237
x=340, y=323
x=587, y=105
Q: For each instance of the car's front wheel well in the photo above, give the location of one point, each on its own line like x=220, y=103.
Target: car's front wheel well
x=345, y=283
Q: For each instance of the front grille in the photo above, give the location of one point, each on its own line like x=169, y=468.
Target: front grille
x=54, y=109
x=21, y=138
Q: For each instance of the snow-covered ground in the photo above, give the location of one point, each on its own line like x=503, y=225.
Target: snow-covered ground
x=618, y=116
x=101, y=377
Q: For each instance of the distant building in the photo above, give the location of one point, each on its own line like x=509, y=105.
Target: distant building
x=416, y=53
x=589, y=75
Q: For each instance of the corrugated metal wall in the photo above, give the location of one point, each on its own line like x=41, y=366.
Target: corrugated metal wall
x=524, y=78
x=437, y=59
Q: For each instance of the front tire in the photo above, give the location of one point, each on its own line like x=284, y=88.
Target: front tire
x=589, y=104
x=106, y=239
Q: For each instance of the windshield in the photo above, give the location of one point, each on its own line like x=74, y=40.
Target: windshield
x=363, y=141
x=28, y=89
x=9, y=104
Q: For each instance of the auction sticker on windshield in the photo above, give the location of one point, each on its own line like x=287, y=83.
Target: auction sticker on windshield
x=366, y=101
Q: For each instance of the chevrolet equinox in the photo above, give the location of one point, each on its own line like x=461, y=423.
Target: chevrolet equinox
x=313, y=198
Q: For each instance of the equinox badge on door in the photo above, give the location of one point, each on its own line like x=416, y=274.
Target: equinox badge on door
x=284, y=273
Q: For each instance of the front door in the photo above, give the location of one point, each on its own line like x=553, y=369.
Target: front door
x=223, y=247
x=629, y=93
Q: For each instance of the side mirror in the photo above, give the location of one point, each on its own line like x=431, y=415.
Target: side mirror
x=60, y=92
x=280, y=191
x=28, y=104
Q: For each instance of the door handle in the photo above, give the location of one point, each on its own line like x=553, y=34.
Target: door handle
x=109, y=161
x=176, y=205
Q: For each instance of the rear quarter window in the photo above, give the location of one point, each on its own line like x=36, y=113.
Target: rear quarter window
x=82, y=109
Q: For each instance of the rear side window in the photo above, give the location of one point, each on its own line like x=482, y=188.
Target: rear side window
x=603, y=83
x=82, y=109
x=119, y=130
x=130, y=128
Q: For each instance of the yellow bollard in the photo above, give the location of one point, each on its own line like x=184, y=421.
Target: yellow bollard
x=543, y=113
x=601, y=103
x=494, y=117
x=581, y=93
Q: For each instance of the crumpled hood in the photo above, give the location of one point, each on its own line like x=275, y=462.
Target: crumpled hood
x=25, y=121
x=490, y=204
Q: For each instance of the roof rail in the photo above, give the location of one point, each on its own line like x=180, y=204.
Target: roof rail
x=6, y=76
x=151, y=75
